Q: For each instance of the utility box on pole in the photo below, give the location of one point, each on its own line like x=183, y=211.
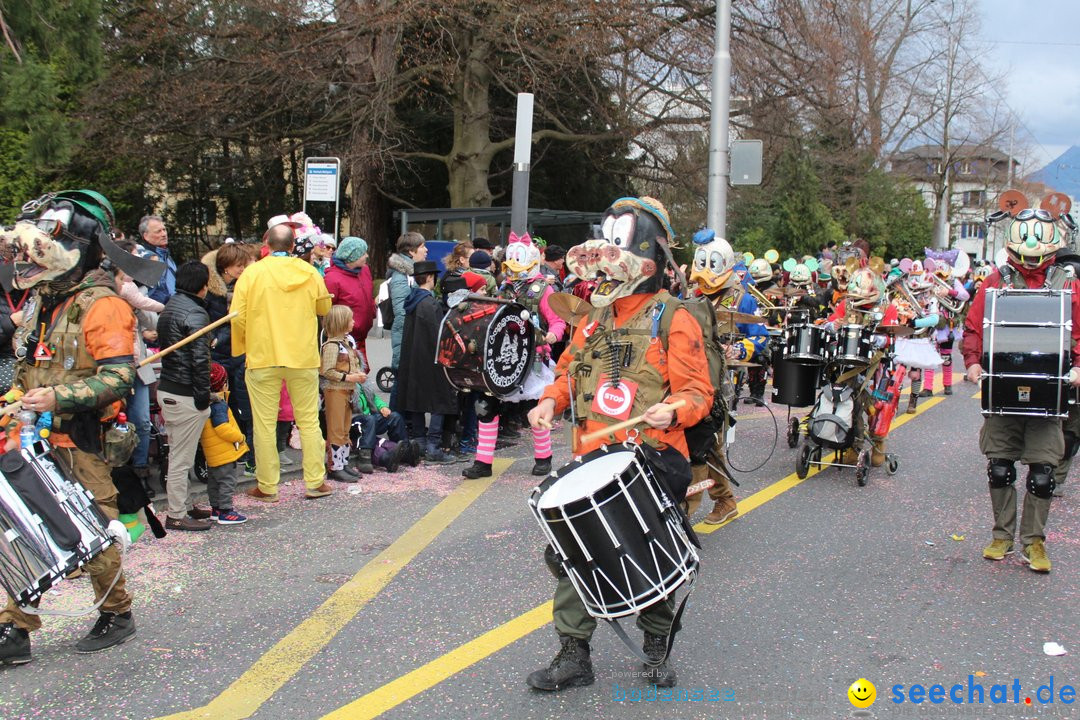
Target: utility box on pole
x=746, y=162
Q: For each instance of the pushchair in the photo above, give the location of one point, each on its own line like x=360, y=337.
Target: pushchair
x=840, y=420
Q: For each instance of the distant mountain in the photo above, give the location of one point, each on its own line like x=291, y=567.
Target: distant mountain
x=1062, y=173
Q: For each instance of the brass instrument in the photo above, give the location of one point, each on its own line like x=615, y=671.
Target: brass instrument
x=905, y=291
x=763, y=301
x=950, y=304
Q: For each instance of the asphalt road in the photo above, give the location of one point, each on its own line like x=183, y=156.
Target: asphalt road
x=424, y=597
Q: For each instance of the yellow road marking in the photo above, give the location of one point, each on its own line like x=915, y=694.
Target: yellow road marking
x=292, y=652
x=424, y=678
x=395, y=692
x=782, y=486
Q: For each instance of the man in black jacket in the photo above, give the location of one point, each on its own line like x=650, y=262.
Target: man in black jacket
x=184, y=390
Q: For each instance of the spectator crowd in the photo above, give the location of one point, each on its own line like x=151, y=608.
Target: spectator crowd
x=287, y=361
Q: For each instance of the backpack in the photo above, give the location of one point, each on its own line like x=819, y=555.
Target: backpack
x=386, y=306
x=832, y=421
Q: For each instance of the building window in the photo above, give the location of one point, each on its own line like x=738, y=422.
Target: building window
x=965, y=167
x=974, y=198
x=972, y=230
x=196, y=213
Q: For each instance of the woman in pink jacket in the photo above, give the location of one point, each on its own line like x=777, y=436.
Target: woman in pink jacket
x=348, y=279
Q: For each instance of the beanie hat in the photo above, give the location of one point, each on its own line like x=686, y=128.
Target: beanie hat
x=480, y=260
x=474, y=282
x=351, y=249
x=218, y=376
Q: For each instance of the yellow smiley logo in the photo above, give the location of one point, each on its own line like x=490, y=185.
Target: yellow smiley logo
x=862, y=693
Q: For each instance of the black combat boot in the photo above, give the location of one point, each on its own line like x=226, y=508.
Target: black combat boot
x=541, y=466
x=110, y=629
x=570, y=668
x=14, y=645
x=662, y=675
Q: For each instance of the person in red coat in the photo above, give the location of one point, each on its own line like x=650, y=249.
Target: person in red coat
x=348, y=279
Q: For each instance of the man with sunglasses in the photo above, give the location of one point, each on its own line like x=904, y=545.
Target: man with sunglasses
x=1034, y=239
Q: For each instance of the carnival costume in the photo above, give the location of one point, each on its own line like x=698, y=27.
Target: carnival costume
x=76, y=339
x=637, y=349
x=523, y=283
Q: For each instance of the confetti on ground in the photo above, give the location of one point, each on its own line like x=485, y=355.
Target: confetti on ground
x=958, y=538
x=1053, y=649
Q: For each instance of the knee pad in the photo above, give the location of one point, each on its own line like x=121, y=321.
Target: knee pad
x=946, y=359
x=1040, y=480
x=1000, y=472
x=1072, y=444
x=551, y=559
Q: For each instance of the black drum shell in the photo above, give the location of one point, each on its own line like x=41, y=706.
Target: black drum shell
x=854, y=345
x=471, y=367
x=795, y=384
x=806, y=344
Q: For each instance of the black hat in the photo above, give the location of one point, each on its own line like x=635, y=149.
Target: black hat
x=554, y=252
x=481, y=243
x=480, y=260
x=425, y=267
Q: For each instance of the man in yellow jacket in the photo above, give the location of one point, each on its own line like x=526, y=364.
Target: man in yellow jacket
x=278, y=301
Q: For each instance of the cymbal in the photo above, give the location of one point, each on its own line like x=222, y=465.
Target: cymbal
x=742, y=363
x=730, y=316
x=786, y=291
x=569, y=307
x=895, y=330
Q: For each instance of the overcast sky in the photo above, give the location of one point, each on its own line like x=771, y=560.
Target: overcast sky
x=1035, y=43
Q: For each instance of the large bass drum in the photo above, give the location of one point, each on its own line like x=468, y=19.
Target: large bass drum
x=49, y=525
x=486, y=345
x=1027, y=336
x=617, y=533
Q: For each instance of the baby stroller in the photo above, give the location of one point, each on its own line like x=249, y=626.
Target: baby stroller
x=837, y=419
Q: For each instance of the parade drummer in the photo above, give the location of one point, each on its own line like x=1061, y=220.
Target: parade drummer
x=75, y=340
x=1033, y=241
x=623, y=334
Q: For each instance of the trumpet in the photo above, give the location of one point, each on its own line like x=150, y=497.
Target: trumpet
x=916, y=306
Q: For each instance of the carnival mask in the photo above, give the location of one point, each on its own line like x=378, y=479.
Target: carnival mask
x=864, y=288
x=760, y=269
x=714, y=261
x=628, y=256
x=522, y=257
x=800, y=274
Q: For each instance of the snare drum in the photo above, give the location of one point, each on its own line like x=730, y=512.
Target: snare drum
x=806, y=344
x=49, y=525
x=617, y=533
x=1026, y=357
x=854, y=345
x=486, y=345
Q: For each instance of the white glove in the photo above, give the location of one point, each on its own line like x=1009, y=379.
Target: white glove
x=120, y=532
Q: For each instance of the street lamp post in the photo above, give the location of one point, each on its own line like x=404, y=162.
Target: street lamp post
x=718, y=122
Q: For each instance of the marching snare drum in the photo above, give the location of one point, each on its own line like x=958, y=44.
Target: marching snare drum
x=806, y=344
x=1027, y=336
x=49, y=525
x=616, y=531
x=486, y=345
x=854, y=345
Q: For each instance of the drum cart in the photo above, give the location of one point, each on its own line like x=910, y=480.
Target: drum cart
x=811, y=452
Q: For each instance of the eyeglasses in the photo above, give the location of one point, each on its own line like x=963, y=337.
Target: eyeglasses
x=1039, y=214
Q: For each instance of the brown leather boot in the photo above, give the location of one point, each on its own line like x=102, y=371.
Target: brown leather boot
x=723, y=511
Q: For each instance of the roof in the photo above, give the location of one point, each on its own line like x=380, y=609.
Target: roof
x=967, y=152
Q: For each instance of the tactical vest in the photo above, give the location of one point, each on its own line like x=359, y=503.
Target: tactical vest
x=70, y=361
x=620, y=354
x=1056, y=278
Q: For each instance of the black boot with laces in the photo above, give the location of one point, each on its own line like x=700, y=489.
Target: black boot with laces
x=662, y=675
x=110, y=629
x=14, y=645
x=570, y=668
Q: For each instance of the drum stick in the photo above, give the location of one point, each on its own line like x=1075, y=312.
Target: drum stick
x=176, y=346
x=596, y=435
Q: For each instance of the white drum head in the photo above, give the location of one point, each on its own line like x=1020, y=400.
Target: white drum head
x=585, y=480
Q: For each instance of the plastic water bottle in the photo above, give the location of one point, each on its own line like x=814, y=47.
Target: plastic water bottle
x=121, y=424
x=27, y=432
